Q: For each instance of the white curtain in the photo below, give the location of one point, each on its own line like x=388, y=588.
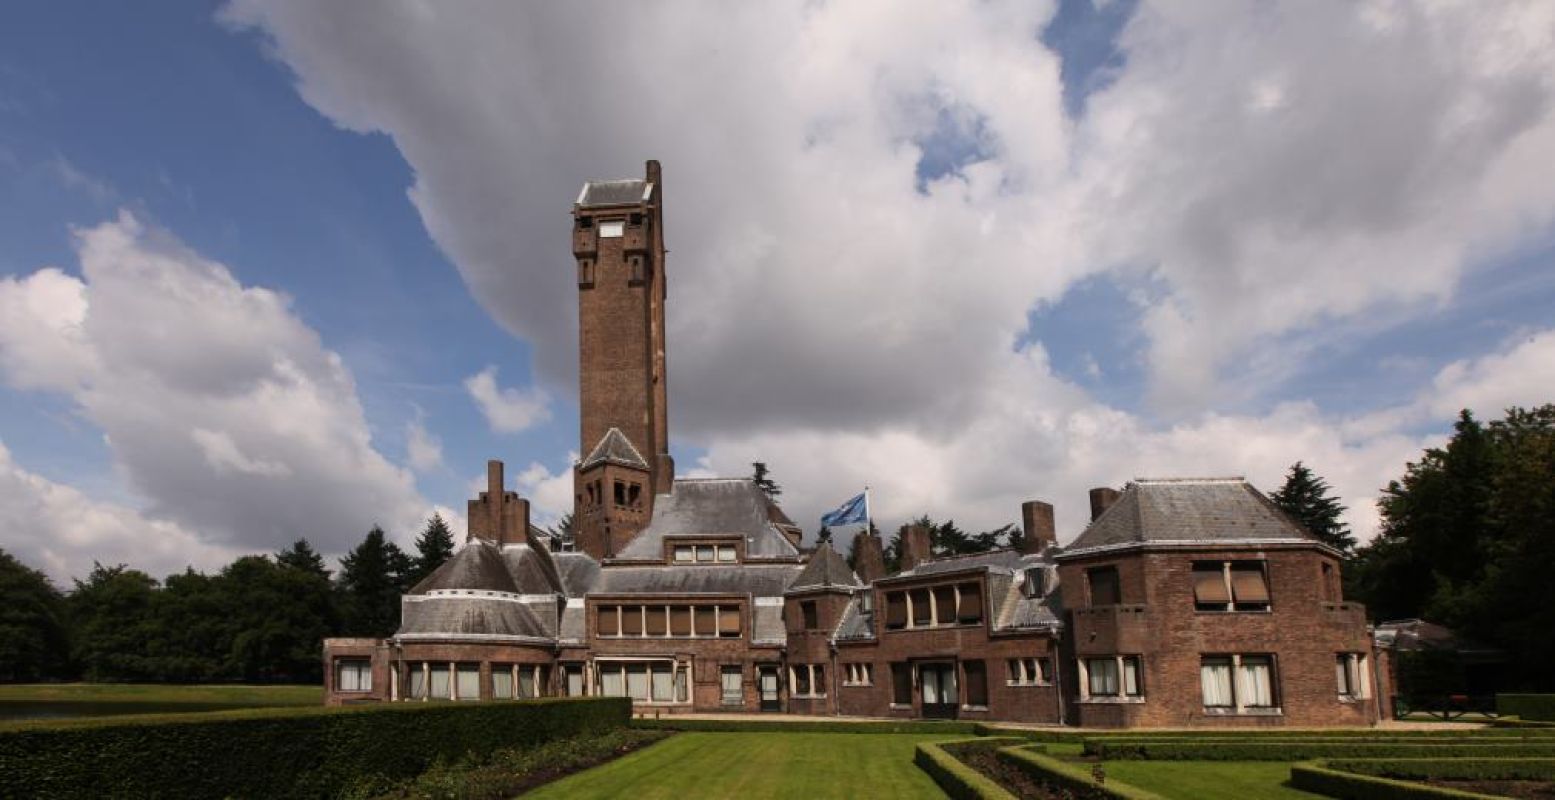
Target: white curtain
x=440, y=683
x=1256, y=682
x=1104, y=676
x=418, y=682
x=1131, y=677
x=610, y=684
x=469, y=682
x=663, y=683
x=501, y=682
x=1215, y=679
x=637, y=681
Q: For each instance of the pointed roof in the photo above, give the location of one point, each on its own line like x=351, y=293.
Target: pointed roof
x=826, y=570
x=615, y=448
x=478, y=566
x=1189, y=511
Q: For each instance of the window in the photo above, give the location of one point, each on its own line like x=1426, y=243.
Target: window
x=634, y=495
x=705, y=618
x=1105, y=587
x=811, y=618
x=976, y=682
x=439, y=682
x=726, y=554
x=353, y=675
x=729, y=622
x=918, y=599
x=526, y=681
x=1230, y=586
x=971, y=608
x=731, y=681
x=895, y=611
x=658, y=621
x=609, y=622
x=1114, y=676
x=631, y=620
x=418, y=682
x=469, y=684
x=501, y=682
x=613, y=229
x=859, y=674
x=1238, y=682
x=1350, y=669
x=705, y=554
x=807, y=680
x=944, y=605
x=684, y=555
x=1029, y=671
x=680, y=620
x=936, y=606
x=901, y=684
x=574, y=682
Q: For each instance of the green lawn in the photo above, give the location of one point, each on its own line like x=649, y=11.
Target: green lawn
x=752, y=766
x=56, y=700
x=1232, y=780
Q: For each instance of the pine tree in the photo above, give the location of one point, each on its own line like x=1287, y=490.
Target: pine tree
x=434, y=546
x=1305, y=497
x=763, y=480
x=301, y=555
x=372, y=578
x=34, y=641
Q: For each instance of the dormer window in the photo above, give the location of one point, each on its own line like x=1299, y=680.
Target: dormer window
x=704, y=554
x=612, y=230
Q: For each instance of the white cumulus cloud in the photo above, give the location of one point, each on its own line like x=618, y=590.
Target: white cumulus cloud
x=507, y=410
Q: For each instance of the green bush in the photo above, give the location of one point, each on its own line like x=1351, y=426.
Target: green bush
x=1525, y=724
x=316, y=752
x=1047, y=735
x=672, y=723
x=1303, y=751
x=1463, y=769
x=1068, y=778
x=959, y=780
x=1533, y=707
x=1320, y=779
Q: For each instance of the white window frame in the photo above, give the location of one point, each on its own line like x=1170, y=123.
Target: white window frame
x=1130, y=669
x=357, y=668
x=1027, y=671
x=858, y=673
x=1352, y=668
x=1238, y=688
x=817, y=686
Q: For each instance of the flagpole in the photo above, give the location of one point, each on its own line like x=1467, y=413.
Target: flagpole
x=867, y=518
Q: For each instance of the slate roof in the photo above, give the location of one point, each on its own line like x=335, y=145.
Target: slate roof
x=532, y=569
x=613, y=193
x=579, y=571
x=1189, y=511
x=825, y=570
x=615, y=448
x=757, y=580
x=1005, y=559
x=479, y=565
x=856, y=624
x=712, y=507
x=767, y=625
x=455, y=615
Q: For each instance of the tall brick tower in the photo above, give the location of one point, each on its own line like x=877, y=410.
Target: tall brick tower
x=618, y=242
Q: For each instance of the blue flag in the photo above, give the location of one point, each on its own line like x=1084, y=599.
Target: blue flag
x=853, y=512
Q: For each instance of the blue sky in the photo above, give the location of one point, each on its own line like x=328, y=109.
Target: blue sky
x=1078, y=250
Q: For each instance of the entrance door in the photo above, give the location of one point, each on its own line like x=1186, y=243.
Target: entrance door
x=767, y=684
x=941, y=699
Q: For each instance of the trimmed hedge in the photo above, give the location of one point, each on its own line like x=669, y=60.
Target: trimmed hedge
x=1534, y=707
x=959, y=780
x=1045, y=735
x=1478, y=769
x=311, y=752
x=1525, y=724
x=1066, y=777
x=671, y=723
x=1303, y=751
x=1320, y=779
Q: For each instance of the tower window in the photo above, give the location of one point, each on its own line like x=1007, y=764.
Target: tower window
x=634, y=495
x=585, y=222
x=612, y=230
x=620, y=493
x=635, y=220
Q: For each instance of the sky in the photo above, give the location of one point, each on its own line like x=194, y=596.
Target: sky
x=285, y=269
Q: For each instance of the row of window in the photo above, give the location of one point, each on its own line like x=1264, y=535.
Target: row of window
x=1233, y=681
x=442, y=681
x=958, y=604
x=644, y=681
x=627, y=495
x=807, y=680
x=699, y=621
x=1217, y=586
x=704, y=554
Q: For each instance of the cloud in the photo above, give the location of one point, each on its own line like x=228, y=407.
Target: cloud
x=221, y=408
x=506, y=410
x=1272, y=172
x=424, y=450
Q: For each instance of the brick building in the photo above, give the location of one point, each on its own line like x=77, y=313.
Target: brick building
x=1190, y=602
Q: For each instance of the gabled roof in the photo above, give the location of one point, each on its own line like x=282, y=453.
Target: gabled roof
x=1189, y=511
x=712, y=507
x=615, y=448
x=826, y=570
x=615, y=193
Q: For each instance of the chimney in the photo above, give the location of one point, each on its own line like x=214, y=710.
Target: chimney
x=916, y=546
x=1037, y=525
x=870, y=557
x=1102, y=498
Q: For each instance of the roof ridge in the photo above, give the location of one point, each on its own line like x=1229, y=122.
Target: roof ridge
x=1167, y=481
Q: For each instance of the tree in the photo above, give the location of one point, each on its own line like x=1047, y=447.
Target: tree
x=434, y=546
x=372, y=578
x=1305, y=497
x=277, y=615
x=563, y=535
x=34, y=635
x=763, y=480
x=112, y=610
x=301, y=555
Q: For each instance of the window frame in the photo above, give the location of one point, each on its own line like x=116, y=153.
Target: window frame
x=814, y=681
x=359, y=666
x=1236, y=666
x=1228, y=569
x=1091, y=600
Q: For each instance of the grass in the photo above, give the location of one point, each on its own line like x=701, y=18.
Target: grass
x=1232, y=780
x=753, y=766
x=63, y=700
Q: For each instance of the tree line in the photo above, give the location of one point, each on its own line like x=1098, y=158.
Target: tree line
x=258, y=619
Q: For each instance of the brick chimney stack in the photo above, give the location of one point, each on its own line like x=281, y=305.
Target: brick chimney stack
x=1038, y=530
x=1102, y=498
x=916, y=546
x=871, y=557
x=497, y=515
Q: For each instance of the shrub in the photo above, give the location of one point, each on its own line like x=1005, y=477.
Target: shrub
x=672, y=723
x=1534, y=707
x=959, y=780
x=1462, y=769
x=1302, y=751
x=312, y=752
x=1068, y=778
x=1320, y=779
x=1524, y=724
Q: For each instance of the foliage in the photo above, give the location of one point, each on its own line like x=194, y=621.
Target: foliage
x=1468, y=540
x=959, y=780
x=278, y=752
x=807, y=726
x=1320, y=779
x=434, y=546
x=1489, y=769
x=945, y=539
x=1208, y=780
x=763, y=480
x=1304, y=749
x=301, y=555
x=34, y=633
x=1532, y=707
x=1068, y=777
x=372, y=578
x=1305, y=497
